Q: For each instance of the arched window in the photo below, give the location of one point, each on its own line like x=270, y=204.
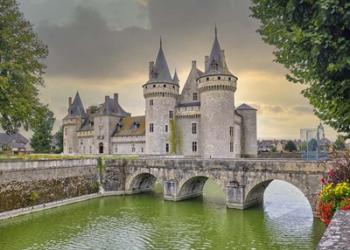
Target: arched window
x=100, y=148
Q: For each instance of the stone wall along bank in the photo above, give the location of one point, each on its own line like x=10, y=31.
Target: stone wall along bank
x=29, y=183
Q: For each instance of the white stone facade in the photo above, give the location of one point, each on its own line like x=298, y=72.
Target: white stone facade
x=201, y=121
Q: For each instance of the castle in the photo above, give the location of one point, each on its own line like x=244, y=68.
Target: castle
x=202, y=121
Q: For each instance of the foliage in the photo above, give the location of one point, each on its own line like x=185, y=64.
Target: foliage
x=290, y=146
x=339, y=143
x=312, y=145
x=41, y=139
x=101, y=168
x=173, y=136
x=312, y=42
x=34, y=196
x=335, y=192
x=59, y=140
x=21, y=69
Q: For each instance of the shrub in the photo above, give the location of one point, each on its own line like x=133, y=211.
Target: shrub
x=335, y=192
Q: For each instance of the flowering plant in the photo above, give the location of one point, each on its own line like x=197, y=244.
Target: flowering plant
x=335, y=193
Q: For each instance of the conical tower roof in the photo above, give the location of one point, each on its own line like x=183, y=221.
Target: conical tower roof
x=161, y=71
x=217, y=61
x=77, y=108
x=176, y=78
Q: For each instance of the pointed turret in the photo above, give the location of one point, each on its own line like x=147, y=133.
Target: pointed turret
x=176, y=78
x=159, y=72
x=216, y=63
x=77, y=108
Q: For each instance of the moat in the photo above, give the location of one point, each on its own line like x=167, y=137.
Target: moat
x=146, y=221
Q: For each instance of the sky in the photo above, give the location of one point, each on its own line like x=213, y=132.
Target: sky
x=101, y=47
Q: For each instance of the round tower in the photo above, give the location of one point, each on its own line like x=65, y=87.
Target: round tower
x=217, y=88
x=160, y=93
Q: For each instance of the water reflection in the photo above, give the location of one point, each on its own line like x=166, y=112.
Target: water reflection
x=148, y=222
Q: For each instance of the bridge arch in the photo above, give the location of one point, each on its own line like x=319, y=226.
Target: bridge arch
x=254, y=192
x=192, y=186
x=140, y=182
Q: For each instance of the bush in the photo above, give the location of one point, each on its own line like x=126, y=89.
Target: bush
x=335, y=192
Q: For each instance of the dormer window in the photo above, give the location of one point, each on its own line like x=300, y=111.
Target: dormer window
x=195, y=96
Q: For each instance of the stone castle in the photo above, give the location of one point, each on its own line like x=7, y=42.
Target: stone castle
x=202, y=121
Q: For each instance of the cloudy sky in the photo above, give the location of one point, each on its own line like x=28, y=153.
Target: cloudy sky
x=99, y=47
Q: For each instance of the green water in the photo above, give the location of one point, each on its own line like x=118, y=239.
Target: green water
x=147, y=222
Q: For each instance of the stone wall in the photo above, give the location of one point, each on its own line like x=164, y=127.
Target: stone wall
x=337, y=235
x=28, y=183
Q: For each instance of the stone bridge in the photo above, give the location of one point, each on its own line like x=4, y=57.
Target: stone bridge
x=243, y=180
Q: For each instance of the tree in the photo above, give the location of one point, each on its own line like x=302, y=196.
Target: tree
x=312, y=40
x=21, y=69
x=312, y=145
x=290, y=146
x=339, y=143
x=41, y=139
x=59, y=140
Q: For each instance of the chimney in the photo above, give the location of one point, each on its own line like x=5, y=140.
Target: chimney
x=194, y=64
x=151, y=66
x=116, y=98
x=206, y=62
x=69, y=101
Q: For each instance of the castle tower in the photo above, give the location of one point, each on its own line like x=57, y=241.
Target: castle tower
x=217, y=88
x=160, y=93
x=72, y=123
x=249, y=131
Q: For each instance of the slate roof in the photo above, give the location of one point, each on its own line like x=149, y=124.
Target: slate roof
x=111, y=107
x=131, y=126
x=77, y=108
x=176, y=78
x=161, y=71
x=13, y=140
x=190, y=85
x=216, y=63
x=245, y=107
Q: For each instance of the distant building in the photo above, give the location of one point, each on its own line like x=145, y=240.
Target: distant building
x=201, y=121
x=14, y=142
x=277, y=145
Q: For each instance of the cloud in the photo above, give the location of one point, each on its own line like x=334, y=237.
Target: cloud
x=302, y=110
x=90, y=44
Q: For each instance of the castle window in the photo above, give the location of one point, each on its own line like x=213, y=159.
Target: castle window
x=167, y=147
x=142, y=150
x=154, y=85
x=229, y=78
x=166, y=128
x=90, y=150
x=219, y=78
x=171, y=114
x=207, y=78
x=151, y=102
x=231, y=131
x=151, y=127
x=194, y=128
x=133, y=148
x=164, y=85
x=173, y=87
x=116, y=149
x=194, y=146
x=195, y=96
x=231, y=146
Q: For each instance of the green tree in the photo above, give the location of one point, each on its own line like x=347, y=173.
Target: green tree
x=41, y=139
x=312, y=145
x=312, y=41
x=21, y=69
x=59, y=140
x=290, y=146
x=339, y=143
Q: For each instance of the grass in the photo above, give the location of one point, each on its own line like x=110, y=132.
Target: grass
x=32, y=157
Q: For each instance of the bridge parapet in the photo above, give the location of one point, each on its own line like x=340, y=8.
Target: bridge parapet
x=242, y=180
